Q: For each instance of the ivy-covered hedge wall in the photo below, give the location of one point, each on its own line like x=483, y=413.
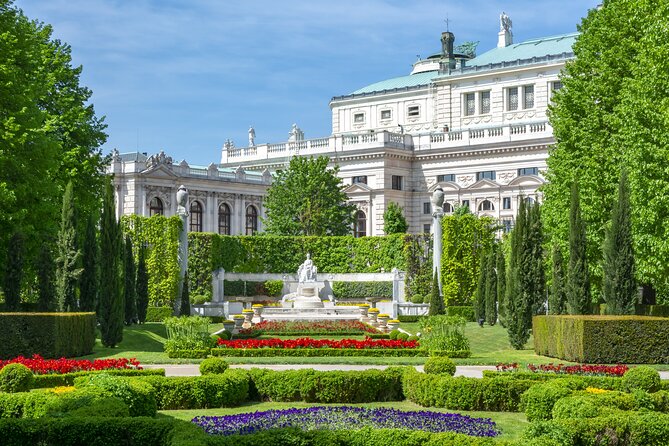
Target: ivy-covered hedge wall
x=361, y=290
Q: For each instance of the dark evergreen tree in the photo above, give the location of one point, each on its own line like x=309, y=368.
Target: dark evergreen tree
x=14, y=272
x=90, y=278
x=142, y=285
x=129, y=288
x=111, y=304
x=518, y=303
x=480, y=298
x=46, y=287
x=536, y=283
x=620, y=289
x=68, y=270
x=558, y=293
x=578, y=281
x=491, y=288
x=501, y=286
x=436, y=301
x=184, y=309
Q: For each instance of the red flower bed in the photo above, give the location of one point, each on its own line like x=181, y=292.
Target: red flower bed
x=318, y=327
x=41, y=366
x=580, y=369
x=316, y=343
x=507, y=367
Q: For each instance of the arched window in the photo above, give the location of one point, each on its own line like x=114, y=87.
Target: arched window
x=156, y=207
x=195, y=217
x=486, y=205
x=251, y=220
x=224, y=219
x=448, y=208
x=360, y=224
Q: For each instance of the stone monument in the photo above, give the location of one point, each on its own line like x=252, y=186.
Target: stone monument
x=437, y=214
x=307, y=288
x=182, y=212
x=252, y=137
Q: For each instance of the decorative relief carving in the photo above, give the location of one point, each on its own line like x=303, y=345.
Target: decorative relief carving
x=506, y=177
x=164, y=193
x=465, y=180
x=158, y=159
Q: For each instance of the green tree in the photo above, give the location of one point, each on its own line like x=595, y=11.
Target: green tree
x=491, y=288
x=578, y=281
x=558, y=293
x=90, y=278
x=49, y=133
x=68, y=272
x=111, y=296
x=142, y=285
x=307, y=198
x=129, y=288
x=481, y=288
x=393, y=220
x=619, y=287
x=46, y=288
x=612, y=113
x=501, y=285
x=14, y=272
x=184, y=308
x=436, y=300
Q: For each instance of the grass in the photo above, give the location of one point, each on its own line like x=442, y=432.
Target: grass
x=511, y=424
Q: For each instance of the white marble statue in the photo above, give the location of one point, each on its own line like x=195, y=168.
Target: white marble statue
x=295, y=134
x=307, y=271
x=504, y=22
x=252, y=137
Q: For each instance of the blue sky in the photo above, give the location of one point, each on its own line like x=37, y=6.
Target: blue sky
x=185, y=75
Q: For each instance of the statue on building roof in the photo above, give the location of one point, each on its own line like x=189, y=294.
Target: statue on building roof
x=505, y=22
x=228, y=144
x=295, y=134
x=116, y=157
x=252, y=136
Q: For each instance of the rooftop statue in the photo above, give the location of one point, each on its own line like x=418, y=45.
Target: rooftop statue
x=504, y=22
x=295, y=134
x=252, y=137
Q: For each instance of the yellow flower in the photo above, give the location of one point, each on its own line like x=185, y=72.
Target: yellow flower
x=595, y=390
x=61, y=389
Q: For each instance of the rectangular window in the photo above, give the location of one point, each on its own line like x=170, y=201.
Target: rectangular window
x=446, y=177
x=507, y=225
x=487, y=175
x=360, y=179
x=528, y=171
x=528, y=96
x=485, y=103
x=386, y=114
x=556, y=85
x=396, y=182
x=465, y=203
x=413, y=111
x=470, y=104
x=506, y=203
x=358, y=118
x=427, y=208
x=426, y=229
x=512, y=99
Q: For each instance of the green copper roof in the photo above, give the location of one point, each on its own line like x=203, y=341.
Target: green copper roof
x=528, y=52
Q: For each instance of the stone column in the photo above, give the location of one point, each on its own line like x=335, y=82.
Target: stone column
x=182, y=212
x=437, y=214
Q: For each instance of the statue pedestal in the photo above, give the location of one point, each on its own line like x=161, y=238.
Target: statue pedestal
x=307, y=297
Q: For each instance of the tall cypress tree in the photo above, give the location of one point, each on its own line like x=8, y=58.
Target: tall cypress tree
x=46, y=288
x=90, y=278
x=142, y=285
x=68, y=272
x=184, y=309
x=558, y=292
x=436, y=300
x=111, y=305
x=518, y=296
x=536, y=286
x=501, y=286
x=480, y=298
x=578, y=281
x=129, y=288
x=491, y=288
x=620, y=289
x=14, y=272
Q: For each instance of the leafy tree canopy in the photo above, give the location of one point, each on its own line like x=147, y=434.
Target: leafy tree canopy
x=612, y=112
x=394, y=221
x=307, y=198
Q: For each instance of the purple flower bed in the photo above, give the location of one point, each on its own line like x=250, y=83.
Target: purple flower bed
x=339, y=418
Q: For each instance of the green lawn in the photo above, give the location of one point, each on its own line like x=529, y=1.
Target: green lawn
x=510, y=423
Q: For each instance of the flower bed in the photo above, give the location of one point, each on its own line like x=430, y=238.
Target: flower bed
x=580, y=369
x=41, y=366
x=343, y=418
x=313, y=352
x=297, y=328
x=299, y=343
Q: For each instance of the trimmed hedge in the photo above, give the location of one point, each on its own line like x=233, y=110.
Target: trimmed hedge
x=409, y=318
x=362, y=290
x=602, y=339
x=67, y=379
x=188, y=354
x=462, y=393
x=51, y=335
x=466, y=312
x=311, y=352
x=158, y=314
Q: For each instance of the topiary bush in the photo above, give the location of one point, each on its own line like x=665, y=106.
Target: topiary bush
x=538, y=401
x=136, y=393
x=402, y=337
x=213, y=366
x=578, y=406
x=413, y=338
x=16, y=378
x=439, y=365
x=641, y=378
x=393, y=334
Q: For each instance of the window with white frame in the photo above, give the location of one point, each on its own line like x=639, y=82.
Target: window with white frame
x=386, y=114
x=517, y=97
x=512, y=99
x=358, y=118
x=470, y=104
x=446, y=177
x=486, y=205
x=476, y=103
x=528, y=171
x=484, y=102
x=413, y=111
x=556, y=85
x=427, y=208
x=528, y=96
x=506, y=203
x=396, y=182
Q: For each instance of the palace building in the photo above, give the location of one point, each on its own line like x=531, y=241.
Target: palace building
x=474, y=125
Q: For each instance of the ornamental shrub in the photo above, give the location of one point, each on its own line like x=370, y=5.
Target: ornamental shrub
x=393, y=334
x=579, y=406
x=439, y=365
x=413, y=338
x=16, y=378
x=538, y=401
x=444, y=333
x=213, y=366
x=136, y=393
x=402, y=336
x=641, y=378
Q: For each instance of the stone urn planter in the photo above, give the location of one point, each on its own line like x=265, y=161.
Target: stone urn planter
x=364, y=308
x=228, y=325
x=373, y=313
x=383, y=321
x=248, y=316
x=393, y=324
x=239, y=320
x=257, y=310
